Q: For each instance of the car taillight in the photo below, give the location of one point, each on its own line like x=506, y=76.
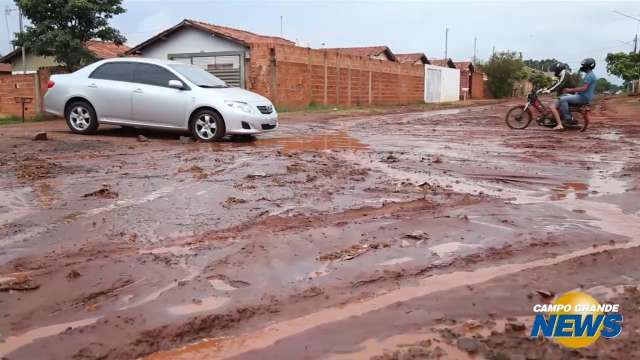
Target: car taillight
x=50, y=84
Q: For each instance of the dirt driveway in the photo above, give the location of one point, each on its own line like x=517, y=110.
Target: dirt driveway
x=398, y=236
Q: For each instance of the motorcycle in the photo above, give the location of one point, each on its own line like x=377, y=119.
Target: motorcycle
x=519, y=117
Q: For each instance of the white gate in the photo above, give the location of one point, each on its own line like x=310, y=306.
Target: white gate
x=441, y=84
x=433, y=85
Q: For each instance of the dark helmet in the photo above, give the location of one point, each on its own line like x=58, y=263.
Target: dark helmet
x=587, y=64
x=558, y=67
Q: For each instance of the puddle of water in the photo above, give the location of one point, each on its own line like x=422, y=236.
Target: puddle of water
x=219, y=284
x=191, y=274
x=333, y=141
x=449, y=248
x=202, y=305
x=14, y=342
x=610, y=219
x=374, y=347
x=453, y=183
x=396, y=261
x=613, y=136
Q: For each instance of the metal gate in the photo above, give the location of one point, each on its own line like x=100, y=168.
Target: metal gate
x=228, y=67
x=434, y=85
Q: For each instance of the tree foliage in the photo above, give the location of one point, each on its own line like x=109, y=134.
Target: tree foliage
x=541, y=65
x=503, y=69
x=60, y=28
x=626, y=66
x=539, y=79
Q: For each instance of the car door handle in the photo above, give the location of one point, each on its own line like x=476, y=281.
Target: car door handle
x=93, y=85
x=138, y=91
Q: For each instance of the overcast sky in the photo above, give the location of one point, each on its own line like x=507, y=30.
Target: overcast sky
x=568, y=31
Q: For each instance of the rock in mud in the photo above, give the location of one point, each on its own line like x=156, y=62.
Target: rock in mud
x=21, y=284
x=104, y=192
x=469, y=345
x=185, y=140
x=142, y=138
x=257, y=174
x=40, y=136
x=73, y=274
x=418, y=235
x=545, y=293
x=514, y=326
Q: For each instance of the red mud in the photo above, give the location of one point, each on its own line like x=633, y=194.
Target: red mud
x=406, y=235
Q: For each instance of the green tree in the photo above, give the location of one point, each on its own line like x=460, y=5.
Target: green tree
x=603, y=85
x=60, y=28
x=626, y=66
x=539, y=79
x=541, y=65
x=503, y=69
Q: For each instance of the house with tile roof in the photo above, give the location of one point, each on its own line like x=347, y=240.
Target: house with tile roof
x=448, y=63
x=379, y=52
x=102, y=50
x=221, y=50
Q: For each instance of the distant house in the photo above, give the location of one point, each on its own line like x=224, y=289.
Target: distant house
x=413, y=58
x=374, y=52
x=448, y=63
x=102, y=50
x=466, y=71
x=221, y=50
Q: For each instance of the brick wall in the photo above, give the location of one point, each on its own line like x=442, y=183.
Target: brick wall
x=296, y=77
x=32, y=86
x=477, y=85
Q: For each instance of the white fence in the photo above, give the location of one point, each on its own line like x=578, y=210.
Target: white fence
x=441, y=84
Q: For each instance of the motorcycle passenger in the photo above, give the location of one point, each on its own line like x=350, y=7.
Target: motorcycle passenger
x=582, y=94
x=561, y=72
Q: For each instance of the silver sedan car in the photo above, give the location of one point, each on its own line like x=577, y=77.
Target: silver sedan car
x=137, y=92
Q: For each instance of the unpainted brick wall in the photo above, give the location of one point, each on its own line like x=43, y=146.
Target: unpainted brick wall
x=296, y=77
x=477, y=85
x=32, y=86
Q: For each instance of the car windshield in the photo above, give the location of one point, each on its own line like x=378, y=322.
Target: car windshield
x=198, y=76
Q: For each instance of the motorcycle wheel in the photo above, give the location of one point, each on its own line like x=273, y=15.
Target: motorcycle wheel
x=518, y=118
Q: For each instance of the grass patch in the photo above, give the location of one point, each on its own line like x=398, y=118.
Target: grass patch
x=14, y=119
x=7, y=120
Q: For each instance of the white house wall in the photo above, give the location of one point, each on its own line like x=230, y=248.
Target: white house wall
x=189, y=40
x=449, y=84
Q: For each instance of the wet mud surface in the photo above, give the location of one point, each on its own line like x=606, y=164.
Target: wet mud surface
x=417, y=235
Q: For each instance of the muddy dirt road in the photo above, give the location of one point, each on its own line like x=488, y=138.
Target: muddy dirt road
x=398, y=236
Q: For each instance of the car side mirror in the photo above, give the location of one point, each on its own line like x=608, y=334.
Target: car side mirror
x=176, y=84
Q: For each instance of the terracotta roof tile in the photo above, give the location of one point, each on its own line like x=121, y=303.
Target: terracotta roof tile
x=106, y=50
x=411, y=58
x=442, y=62
x=239, y=35
x=463, y=65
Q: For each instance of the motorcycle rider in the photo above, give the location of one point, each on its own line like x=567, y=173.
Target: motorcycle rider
x=561, y=72
x=582, y=94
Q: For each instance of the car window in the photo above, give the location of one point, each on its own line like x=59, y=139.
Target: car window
x=118, y=71
x=152, y=75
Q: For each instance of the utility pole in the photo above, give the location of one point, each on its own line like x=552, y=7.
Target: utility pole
x=475, y=49
x=446, y=43
x=635, y=46
x=281, y=26
x=24, y=55
x=7, y=12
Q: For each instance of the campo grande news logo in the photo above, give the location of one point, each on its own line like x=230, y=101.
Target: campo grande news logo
x=576, y=319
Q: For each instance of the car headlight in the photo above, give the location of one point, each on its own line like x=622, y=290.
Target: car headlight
x=242, y=106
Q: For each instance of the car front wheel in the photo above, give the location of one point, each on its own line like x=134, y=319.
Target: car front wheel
x=81, y=118
x=207, y=125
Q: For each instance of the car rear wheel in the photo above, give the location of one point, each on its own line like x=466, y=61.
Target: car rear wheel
x=207, y=125
x=81, y=118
